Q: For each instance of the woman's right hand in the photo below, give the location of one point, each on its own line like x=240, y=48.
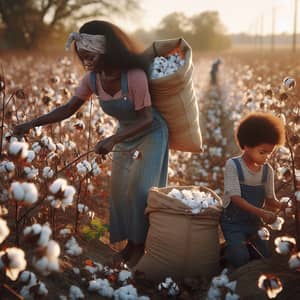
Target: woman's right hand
x=268, y=217
x=22, y=129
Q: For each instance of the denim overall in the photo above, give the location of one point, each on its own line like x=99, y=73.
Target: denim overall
x=238, y=225
x=132, y=178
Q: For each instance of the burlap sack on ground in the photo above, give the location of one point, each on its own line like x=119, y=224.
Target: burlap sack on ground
x=180, y=244
x=174, y=97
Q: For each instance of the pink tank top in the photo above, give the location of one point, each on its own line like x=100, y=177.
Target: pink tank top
x=138, y=90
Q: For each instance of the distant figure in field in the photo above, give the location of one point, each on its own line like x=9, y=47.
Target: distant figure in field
x=214, y=71
x=249, y=196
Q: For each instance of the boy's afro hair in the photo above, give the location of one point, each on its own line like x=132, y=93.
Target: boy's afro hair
x=260, y=128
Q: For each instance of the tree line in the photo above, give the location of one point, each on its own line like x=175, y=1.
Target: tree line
x=30, y=24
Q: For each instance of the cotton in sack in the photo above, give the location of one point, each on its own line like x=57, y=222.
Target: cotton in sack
x=183, y=237
x=173, y=94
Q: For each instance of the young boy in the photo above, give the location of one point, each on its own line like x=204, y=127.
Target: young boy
x=249, y=187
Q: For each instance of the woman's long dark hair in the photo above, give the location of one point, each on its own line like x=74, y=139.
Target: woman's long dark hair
x=122, y=52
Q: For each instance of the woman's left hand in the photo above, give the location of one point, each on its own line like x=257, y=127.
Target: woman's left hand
x=105, y=146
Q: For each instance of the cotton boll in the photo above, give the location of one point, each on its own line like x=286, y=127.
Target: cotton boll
x=231, y=296
x=219, y=281
x=264, y=233
x=19, y=149
x=44, y=235
x=289, y=83
x=294, y=261
x=128, y=290
x=64, y=232
x=69, y=191
x=277, y=225
x=72, y=247
x=124, y=275
x=75, y=293
x=30, y=156
x=28, y=278
x=4, y=230
x=284, y=244
x=270, y=284
x=41, y=265
x=48, y=172
x=17, y=191
x=213, y=293
x=58, y=185
x=231, y=285
x=31, y=192
x=16, y=262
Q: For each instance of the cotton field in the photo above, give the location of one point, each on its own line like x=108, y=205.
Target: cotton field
x=54, y=190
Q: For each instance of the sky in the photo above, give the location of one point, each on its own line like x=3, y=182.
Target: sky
x=249, y=16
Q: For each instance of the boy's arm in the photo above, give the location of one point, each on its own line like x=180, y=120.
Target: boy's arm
x=271, y=202
x=267, y=216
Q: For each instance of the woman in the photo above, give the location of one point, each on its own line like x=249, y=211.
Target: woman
x=116, y=73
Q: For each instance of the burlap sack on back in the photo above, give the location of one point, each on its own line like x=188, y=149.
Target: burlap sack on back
x=174, y=97
x=180, y=244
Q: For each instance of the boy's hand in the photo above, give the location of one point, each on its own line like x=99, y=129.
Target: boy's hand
x=268, y=217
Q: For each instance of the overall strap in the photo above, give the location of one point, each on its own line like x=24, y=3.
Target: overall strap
x=239, y=169
x=93, y=82
x=124, y=85
x=265, y=173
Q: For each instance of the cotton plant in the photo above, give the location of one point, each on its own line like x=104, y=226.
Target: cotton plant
x=12, y=262
x=61, y=194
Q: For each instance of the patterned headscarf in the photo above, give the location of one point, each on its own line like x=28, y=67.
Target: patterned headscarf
x=89, y=42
